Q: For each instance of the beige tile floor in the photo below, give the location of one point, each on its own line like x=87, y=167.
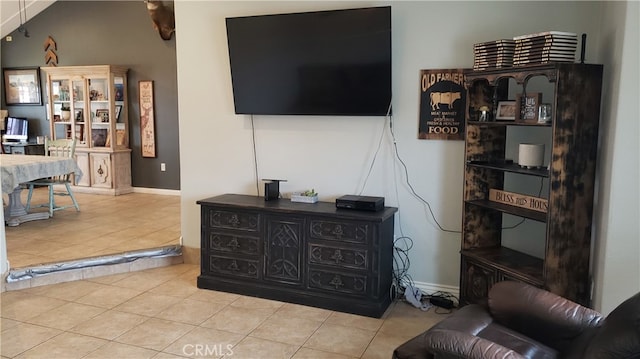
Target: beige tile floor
x=104, y=225
x=160, y=313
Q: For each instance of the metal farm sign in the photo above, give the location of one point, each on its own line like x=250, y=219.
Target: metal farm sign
x=443, y=101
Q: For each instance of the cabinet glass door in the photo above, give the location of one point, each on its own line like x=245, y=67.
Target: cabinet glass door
x=61, y=109
x=120, y=112
x=78, y=113
x=99, y=107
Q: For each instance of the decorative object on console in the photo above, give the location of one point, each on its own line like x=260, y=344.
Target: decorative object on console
x=272, y=189
x=443, y=102
x=363, y=203
x=22, y=86
x=309, y=196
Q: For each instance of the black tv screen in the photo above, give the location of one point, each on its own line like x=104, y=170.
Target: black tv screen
x=334, y=62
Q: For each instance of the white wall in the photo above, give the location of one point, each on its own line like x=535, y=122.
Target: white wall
x=331, y=154
x=617, y=240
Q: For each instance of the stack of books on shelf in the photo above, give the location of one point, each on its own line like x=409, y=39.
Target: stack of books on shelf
x=493, y=54
x=545, y=47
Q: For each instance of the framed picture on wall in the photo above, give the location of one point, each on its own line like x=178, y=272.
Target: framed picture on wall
x=22, y=86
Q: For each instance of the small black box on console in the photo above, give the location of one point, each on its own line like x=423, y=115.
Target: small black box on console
x=361, y=203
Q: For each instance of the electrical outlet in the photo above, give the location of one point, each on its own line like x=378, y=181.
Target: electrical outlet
x=163, y=167
x=9, y=38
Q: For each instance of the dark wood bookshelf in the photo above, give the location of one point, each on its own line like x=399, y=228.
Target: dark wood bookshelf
x=510, y=261
x=516, y=211
x=510, y=167
x=572, y=141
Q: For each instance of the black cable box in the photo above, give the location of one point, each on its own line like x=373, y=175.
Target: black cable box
x=361, y=203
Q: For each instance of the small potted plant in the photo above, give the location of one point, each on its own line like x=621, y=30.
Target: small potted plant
x=308, y=196
x=65, y=113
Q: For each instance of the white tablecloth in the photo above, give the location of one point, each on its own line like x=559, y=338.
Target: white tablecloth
x=16, y=169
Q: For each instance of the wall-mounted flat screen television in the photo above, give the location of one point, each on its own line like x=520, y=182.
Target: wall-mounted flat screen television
x=16, y=129
x=335, y=62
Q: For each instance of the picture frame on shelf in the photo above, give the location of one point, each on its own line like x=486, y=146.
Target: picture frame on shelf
x=118, y=110
x=102, y=115
x=22, y=86
x=119, y=92
x=99, y=137
x=79, y=115
x=506, y=111
x=527, y=107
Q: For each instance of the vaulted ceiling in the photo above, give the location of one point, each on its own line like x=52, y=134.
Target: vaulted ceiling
x=10, y=13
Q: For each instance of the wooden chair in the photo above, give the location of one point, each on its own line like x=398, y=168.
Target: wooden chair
x=60, y=148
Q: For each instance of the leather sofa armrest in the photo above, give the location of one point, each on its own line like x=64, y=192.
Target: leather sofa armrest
x=539, y=314
x=451, y=344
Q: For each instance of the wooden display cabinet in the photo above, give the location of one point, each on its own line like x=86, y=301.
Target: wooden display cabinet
x=89, y=103
x=549, y=250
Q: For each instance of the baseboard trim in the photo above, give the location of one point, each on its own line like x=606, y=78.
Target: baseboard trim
x=167, y=192
x=430, y=288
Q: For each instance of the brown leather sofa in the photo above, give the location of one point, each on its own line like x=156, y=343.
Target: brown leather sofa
x=522, y=321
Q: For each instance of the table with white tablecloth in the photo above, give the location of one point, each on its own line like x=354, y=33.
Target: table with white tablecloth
x=17, y=169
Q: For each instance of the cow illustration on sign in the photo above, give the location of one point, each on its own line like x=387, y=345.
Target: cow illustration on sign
x=443, y=100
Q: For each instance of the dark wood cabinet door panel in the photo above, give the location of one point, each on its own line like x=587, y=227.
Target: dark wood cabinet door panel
x=476, y=282
x=283, y=249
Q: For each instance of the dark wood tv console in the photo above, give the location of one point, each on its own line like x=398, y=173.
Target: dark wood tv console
x=311, y=254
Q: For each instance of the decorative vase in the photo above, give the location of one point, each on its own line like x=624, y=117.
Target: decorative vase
x=65, y=115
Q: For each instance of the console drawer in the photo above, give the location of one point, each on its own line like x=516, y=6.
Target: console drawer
x=238, y=267
x=244, y=221
x=341, y=257
x=338, y=282
x=343, y=231
x=233, y=243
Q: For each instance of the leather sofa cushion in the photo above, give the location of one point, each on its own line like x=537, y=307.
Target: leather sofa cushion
x=412, y=349
x=517, y=342
x=557, y=322
x=619, y=337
